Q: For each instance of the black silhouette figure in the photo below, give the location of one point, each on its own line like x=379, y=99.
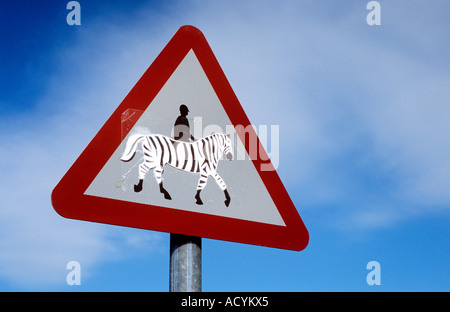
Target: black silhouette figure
x=181, y=128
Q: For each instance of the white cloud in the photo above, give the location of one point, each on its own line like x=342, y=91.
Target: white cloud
x=39, y=146
x=363, y=111
x=35, y=242
x=374, y=218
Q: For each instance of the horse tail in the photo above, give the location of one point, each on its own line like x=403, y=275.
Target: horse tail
x=131, y=146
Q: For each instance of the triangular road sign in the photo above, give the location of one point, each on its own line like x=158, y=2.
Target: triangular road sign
x=143, y=169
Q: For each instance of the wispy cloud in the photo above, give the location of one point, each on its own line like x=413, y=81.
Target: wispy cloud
x=363, y=111
x=89, y=79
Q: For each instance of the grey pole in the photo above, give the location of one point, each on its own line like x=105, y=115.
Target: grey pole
x=185, y=263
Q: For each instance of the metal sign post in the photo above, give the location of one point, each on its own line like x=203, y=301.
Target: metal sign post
x=185, y=273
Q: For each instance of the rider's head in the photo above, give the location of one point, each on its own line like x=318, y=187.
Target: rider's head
x=184, y=110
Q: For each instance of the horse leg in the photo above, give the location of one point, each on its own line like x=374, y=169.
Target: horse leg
x=158, y=176
x=143, y=169
x=198, y=199
x=227, y=198
x=138, y=187
x=201, y=184
x=223, y=187
x=163, y=190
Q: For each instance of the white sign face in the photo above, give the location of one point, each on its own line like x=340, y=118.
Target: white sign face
x=154, y=166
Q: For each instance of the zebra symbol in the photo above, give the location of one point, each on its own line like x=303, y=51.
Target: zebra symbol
x=201, y=156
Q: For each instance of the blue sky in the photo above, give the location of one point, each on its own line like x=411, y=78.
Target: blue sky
x=364, y=117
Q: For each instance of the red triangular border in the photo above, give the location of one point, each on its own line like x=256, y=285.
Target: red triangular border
x=69, y=200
